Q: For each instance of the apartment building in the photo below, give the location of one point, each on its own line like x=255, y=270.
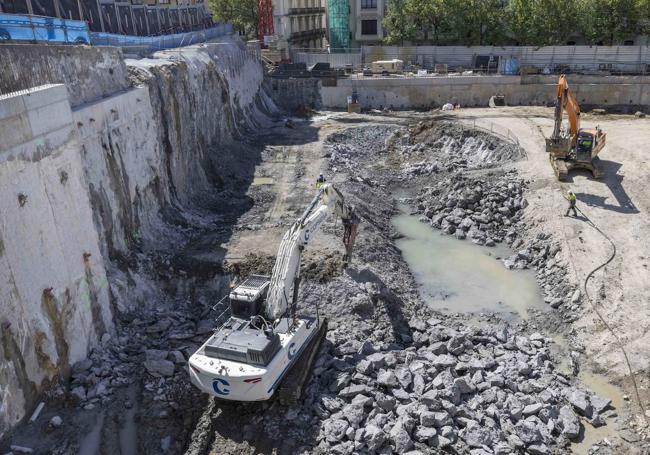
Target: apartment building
x=353, y=23
x=130, y=17
x=300, y=22
x=366, y=21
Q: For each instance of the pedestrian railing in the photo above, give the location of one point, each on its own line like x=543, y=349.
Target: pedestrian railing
x=497, y=130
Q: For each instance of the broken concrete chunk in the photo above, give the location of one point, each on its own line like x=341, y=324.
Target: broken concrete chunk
x=159, y=368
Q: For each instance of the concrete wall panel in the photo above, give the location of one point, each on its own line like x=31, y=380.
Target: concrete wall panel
x=407, y=93
x=89, y=73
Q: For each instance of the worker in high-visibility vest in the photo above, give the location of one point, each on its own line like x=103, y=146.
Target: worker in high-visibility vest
x=571, y=197
x=320, y=181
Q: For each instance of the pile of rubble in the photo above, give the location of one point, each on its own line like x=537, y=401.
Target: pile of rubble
x=488, y=210
x=159, y=347
x=475, y=208
x=480, y=390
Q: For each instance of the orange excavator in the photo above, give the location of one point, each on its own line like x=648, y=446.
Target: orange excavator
x=576, y=148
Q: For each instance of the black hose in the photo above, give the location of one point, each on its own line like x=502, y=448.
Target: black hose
x=600, y=316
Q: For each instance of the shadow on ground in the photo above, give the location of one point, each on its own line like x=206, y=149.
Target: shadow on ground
x=614, y=182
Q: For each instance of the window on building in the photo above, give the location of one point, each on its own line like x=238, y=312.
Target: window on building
x=369, y=27
x=367, y=4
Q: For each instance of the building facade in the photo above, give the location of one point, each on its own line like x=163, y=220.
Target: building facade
x=135, y=17
x=300, y=22
x=354, y=23
x=366, y=21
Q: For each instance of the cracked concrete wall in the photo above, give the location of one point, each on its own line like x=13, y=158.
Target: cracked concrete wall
x=53, y=286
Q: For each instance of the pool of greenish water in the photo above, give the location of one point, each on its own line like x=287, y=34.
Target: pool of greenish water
x=459, y=277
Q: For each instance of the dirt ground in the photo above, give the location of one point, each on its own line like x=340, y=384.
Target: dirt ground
x=617, y=204
x=283, y=164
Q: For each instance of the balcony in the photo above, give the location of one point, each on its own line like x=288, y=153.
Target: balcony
x=307, y=34
x=312, y=10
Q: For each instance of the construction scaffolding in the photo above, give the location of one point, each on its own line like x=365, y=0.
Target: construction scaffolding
x=339, y=20
x=265, y=20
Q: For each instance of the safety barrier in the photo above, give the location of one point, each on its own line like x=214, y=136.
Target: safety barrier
x=156, y=43
x=493, y=59
x=20, y=27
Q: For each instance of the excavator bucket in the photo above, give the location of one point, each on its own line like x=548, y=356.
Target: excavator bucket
x=558, y=147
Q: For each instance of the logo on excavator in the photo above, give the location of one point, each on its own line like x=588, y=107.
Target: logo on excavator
x=220, y=386
x=292, y=351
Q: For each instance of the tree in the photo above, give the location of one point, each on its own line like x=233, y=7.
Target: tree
x=428, y=17
x=397, y=22
x=611, y=21
x=242, y=14
x=543, y=22
x=476, y=22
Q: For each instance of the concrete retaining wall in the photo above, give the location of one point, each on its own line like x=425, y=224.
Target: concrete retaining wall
x=620, y=92
x=89, y=73
x=53, y=286
x=290, y=94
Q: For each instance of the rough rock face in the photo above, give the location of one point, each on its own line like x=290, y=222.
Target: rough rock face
x=153, y=149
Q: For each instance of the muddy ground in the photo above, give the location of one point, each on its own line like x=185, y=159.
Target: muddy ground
x=377, y=161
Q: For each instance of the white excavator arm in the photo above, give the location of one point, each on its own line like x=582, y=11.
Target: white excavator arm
x=286, y=271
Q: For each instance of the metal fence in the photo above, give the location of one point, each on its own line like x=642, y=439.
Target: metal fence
x=17, y=27
x=345, y=58
x=20, y=27
x=550, y=59
x=497, y=130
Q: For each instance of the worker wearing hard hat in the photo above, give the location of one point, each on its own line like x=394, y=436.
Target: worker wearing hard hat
x=571, y=197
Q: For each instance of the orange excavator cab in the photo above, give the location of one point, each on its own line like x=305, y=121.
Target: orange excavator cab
x=575, y=148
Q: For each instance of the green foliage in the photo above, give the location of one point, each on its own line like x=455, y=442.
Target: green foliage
x=241, y=13
x=544, y=22
x=476, y=22
x=525, y=22
x=398, y=22
x=611, y=21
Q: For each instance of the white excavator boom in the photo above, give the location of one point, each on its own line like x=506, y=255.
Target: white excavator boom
x=247, y=357
x=286, y=271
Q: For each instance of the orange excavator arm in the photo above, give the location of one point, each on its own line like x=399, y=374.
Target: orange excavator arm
x=566, y=101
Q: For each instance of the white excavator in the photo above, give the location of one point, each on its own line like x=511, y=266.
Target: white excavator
x=264, y=338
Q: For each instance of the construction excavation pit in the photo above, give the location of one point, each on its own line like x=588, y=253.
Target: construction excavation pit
x=250, y=282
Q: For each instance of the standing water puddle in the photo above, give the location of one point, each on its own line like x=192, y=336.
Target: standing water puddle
x=460, y=277
x=129, y=431
x=90, y=444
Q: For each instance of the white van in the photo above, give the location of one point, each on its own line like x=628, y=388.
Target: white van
x=386, y=67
